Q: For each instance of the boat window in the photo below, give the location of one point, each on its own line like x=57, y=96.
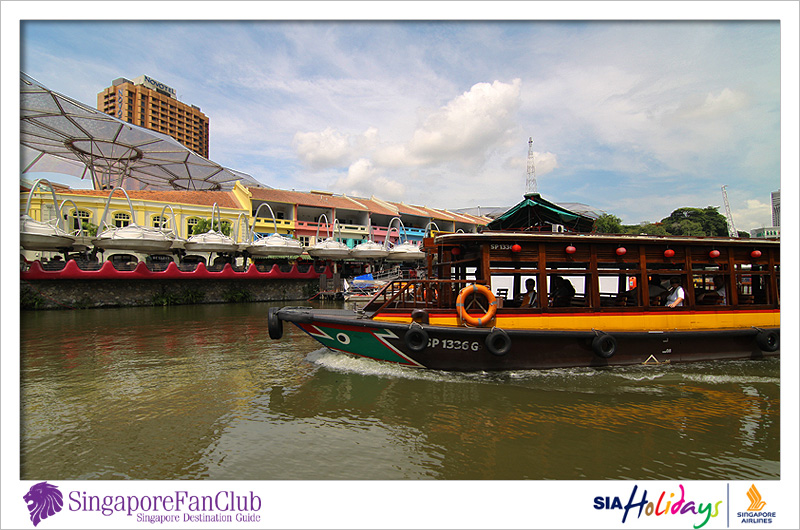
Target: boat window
x=711, y=285
x=568, y=283
x=753, y=285
x=617, y=283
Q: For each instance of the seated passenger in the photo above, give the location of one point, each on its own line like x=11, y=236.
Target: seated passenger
x=530, y=298
x=656, y=291
x=562, y=292
x=716, y=297
x=676, y=294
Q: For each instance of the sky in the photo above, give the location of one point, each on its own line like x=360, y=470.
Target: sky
x=634, y=118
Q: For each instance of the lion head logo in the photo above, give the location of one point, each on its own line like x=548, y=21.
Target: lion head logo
x=44, y=500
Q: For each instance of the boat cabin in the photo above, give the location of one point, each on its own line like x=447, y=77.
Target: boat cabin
x=591, y=273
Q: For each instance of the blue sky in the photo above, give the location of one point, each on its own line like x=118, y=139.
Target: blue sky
x=633, y=118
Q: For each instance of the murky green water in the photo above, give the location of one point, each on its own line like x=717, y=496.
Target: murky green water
x=199, y=392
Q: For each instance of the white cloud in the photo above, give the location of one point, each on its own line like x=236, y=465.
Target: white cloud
x=468, y=126
x=363, y=179
x=330, y=148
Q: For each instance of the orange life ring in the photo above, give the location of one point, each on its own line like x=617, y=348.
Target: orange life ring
x=462, y=312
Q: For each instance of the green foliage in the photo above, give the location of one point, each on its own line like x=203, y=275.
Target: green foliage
x=204, y=225
x=237, y=296
x=30, y=299
x=186, y=296
x=696, y=222
x=650, y=229
x=89, y=229
x=608, y=224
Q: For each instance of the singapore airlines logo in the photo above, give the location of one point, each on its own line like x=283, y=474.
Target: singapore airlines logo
x=756, y=504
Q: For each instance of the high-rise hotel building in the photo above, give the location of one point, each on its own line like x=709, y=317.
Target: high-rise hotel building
x=154, y=105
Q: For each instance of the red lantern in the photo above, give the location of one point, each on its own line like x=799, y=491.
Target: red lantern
x=516, y=248
x=669, y=253
x=621, y=251
x=714, y=254
x=755, y=254
x=570, y=250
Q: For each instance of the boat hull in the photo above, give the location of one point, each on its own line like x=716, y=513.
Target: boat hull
x=468, y=349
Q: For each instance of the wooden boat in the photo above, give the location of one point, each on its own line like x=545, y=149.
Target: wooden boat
x=463, y=318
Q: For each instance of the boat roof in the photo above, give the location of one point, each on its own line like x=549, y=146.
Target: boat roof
x=535, y=211
x=519, y=237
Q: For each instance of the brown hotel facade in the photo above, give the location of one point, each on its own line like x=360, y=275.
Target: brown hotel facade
x=151, y=104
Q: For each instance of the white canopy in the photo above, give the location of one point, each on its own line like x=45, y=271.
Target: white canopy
x=59, y=134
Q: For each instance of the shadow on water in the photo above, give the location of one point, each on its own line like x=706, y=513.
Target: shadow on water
x=202, y=392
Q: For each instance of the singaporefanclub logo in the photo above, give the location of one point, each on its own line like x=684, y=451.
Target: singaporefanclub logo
x=45, y=500
x=755, y=513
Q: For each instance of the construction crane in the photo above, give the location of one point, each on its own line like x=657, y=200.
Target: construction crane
x=731, y=227
x=530, y=181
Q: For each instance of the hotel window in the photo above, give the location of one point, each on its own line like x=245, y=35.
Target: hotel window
x=159, y=221
x=121, y=219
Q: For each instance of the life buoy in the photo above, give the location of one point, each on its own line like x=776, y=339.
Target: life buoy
x=604, y=345
x=416, y=339
x=274, y=324
x=768, y=341
x=462, y=312
x=498, y=342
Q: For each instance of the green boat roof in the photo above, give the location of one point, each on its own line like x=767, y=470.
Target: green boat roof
x=534, y=211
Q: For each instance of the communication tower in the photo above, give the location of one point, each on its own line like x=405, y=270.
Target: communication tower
x=530, y=181
x=731, y=227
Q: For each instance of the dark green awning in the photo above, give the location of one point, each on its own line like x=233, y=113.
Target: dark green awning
x=536, y=212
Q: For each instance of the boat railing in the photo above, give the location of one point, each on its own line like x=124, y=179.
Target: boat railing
x=417, y=294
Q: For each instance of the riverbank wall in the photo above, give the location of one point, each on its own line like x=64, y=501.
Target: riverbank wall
x=83, y=294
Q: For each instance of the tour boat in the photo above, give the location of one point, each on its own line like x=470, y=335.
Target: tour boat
x=467, y=314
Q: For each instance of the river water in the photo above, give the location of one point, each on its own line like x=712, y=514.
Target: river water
x=201, y=392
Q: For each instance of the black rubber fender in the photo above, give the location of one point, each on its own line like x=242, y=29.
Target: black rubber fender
x=768, y=340
x=416, y=339
x=498, y=342
x=604, y=345
x=274, y=324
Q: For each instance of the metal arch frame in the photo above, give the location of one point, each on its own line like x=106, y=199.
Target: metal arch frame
x=151, y=159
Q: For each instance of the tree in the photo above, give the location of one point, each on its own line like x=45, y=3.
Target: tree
x=608, y=224
x=204, y=225
x=696, y=222
x=650, y=229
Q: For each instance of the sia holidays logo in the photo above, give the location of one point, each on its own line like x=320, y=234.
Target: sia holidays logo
x=44, y=500
x=666, y=504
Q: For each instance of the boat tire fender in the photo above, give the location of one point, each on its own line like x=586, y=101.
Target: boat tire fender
x=768, y=341
x=416, y=339
x=604, y=345
x=498, y=342
x=274, y=324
